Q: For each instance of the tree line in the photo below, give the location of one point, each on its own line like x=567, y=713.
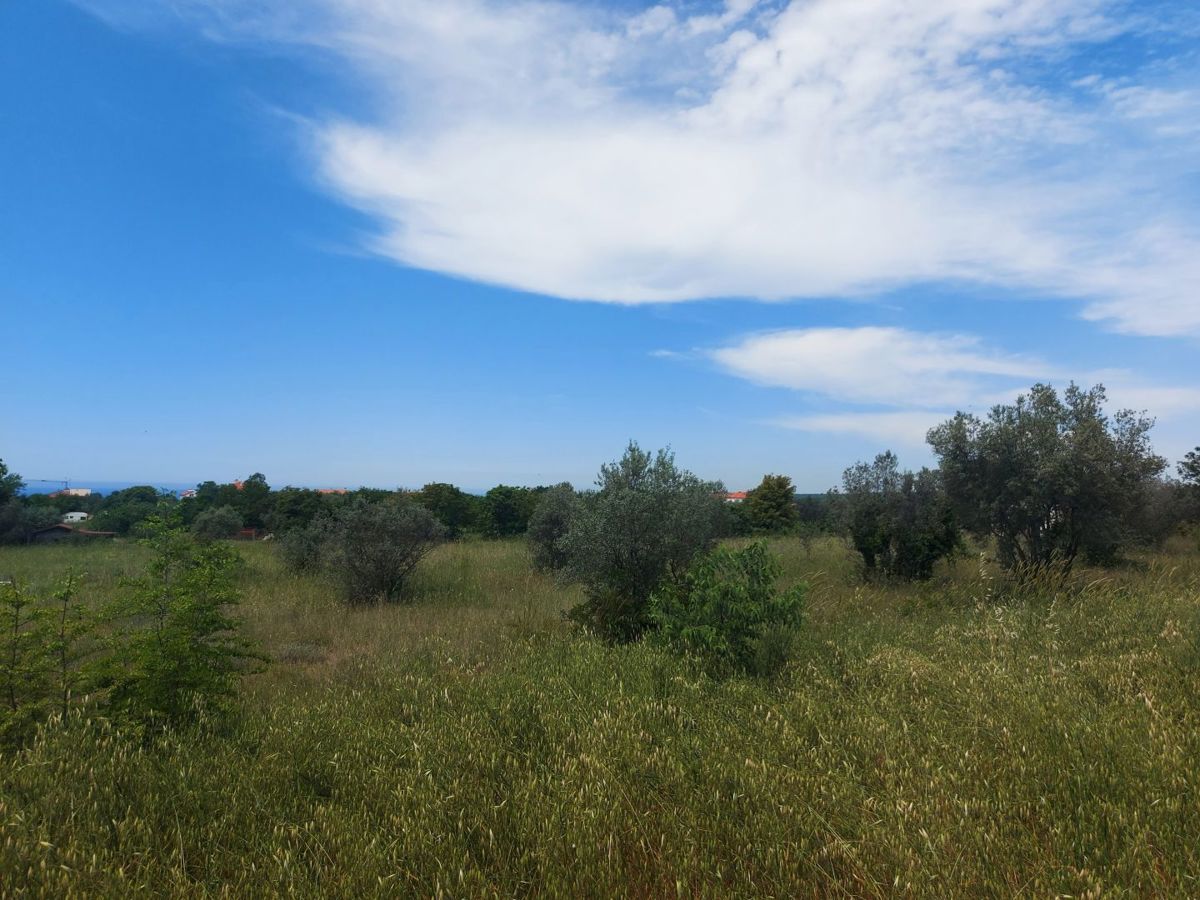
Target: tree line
x=1047, y=477
x=1040, y=483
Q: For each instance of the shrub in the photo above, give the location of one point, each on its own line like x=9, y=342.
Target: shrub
x=644, y=524
x=305, y=548
x=548, y=525
x=216, y=523
x=24, y=663
x=900, y=523
x=179, y=651
x=372, y=548
x=726, y=612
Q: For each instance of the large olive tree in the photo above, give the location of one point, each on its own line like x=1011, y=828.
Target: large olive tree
x=1048, y=477
x=643, y=525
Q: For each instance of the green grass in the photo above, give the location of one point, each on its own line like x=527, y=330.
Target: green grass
x=949, y=739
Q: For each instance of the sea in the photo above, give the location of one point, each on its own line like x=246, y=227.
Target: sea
x=107, y=487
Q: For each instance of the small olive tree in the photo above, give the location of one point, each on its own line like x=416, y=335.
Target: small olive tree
x=643, y=525
x=550, y=522
x=372, y=548
x=900, y=522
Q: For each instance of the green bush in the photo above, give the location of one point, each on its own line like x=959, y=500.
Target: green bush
x=548, y=525
x=644, y=525
x=372, y=548
x=727, y=612
x=901, y=523
x=176, y=651
x=219, y=522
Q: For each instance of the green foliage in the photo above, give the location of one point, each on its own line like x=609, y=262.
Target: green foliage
x=1189, y=474
x=771, y=507
x=72, y=640
x=1189, y=468
x=24, y=665
x=643, y=525
x=454, y=508
x=43, y=645
x=126, y=511
x=372, y=548
x=216, y=523
x=900, y=523
x=19, y=520
x=506, y=510
x=309, y=549
x=727, y=612
x=254, y=501
x=293, y=508
x=179, y=652
x=1049, y=478
x=10, y=484
x=548, y=525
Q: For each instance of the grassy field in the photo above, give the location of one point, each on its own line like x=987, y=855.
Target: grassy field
x=950, y=739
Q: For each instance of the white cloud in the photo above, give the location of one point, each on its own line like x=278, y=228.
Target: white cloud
x=878, y=365
x=893, y=385
x=764, y=149
x=907, y=428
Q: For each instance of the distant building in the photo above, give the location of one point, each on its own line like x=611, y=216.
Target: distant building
x=72, y=517
x=332, y=491
x=73, y=492
x=189, y=494
x=736, y=496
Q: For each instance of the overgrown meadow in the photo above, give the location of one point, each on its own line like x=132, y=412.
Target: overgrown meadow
x=963, y=737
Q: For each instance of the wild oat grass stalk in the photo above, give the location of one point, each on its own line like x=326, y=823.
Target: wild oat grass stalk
x=950, y=739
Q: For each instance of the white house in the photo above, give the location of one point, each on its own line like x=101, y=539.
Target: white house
x=71, y=517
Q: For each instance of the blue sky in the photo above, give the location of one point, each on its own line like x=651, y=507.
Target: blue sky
x=354, y=242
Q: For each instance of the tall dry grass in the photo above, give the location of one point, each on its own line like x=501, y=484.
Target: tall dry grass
x=968, y=737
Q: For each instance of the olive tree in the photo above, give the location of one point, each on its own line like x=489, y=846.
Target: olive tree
x=644, y=524
x=900, y=522
x=548, y=525
x=372, y=548
x=1048, y=477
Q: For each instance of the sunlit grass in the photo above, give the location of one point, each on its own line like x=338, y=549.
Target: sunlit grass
x=950, y=739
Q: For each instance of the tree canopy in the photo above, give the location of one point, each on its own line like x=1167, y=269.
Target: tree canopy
x=645, y=522
x=1048, y=477
x=772, y=505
